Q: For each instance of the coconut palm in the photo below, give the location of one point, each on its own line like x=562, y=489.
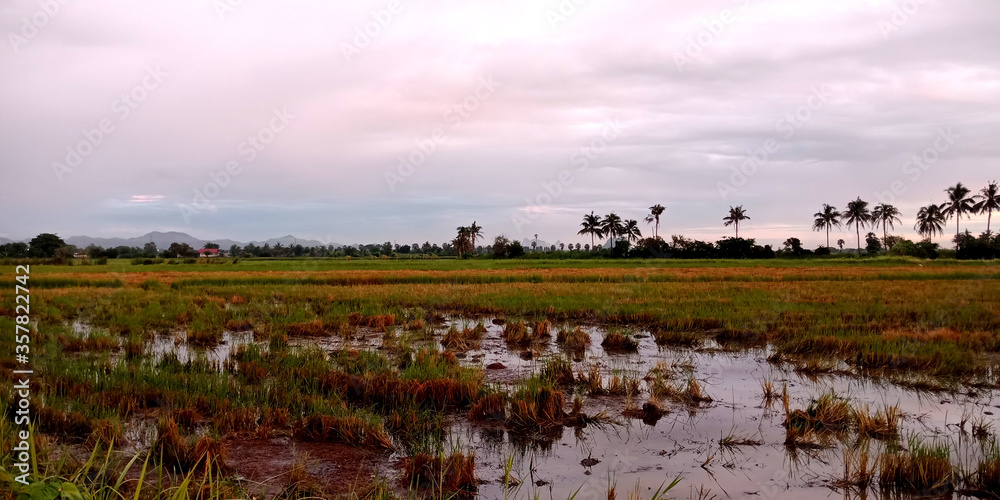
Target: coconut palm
x=630, y=230
x=463, y=242
x=930, y=221
x=612, y=226
x=736, y=215
x=887, y=215
x=655, y=212
x=857, y=213
x=959, y=203
x=826, y=219
x=475, y=231
x=989, y=200
x=592, y=225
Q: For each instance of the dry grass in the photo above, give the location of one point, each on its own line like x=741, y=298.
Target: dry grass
x=923, y=469
x=575, y=339
x=454, y=474
x=883, y=424
x=619, y=341
x=347, y=430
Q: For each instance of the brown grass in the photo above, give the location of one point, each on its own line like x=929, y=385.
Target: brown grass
x=455, y=473
x=575, y=339
x=346, y=430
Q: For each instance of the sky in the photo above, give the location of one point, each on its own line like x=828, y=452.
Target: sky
x=400, y=120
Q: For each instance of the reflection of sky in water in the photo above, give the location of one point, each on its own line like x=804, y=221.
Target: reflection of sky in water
x=684, y=439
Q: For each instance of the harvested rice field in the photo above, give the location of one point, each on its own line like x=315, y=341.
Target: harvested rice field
x=441, y=379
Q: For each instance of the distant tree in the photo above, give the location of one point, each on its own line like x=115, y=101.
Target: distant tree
x=630, y=230
x=959, y=203
x=562, y=246
x=586, y=247
x=577, y=246
x=463, y=241
x=515, y=249
x=736, y=215
x=793, y=245
x=211, y=245
x=930, y=221
x=655, y=212
x=149, y=249
x=234, y=250
x=534, y=242
x=179, y=250
x=500, y=246
x=475, y=231
x=989, y=200
x=612, y=226
x=887, y=215
x=857, y=213
x=826, y=219
x=17, y=249
x=45, y=245
x=840, y=244
x=873, y=244
x=66, y=252
x=591, y=225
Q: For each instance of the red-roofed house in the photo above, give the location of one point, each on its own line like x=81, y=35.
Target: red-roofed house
x=208, y=252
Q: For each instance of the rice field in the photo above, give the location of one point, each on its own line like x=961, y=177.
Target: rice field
x=528, y=379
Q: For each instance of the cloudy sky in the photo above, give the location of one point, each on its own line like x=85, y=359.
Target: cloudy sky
x=400, y=120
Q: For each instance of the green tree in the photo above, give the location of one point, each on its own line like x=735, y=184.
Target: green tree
x=475, y=231
x=736, y=215
x=591, y=225
x=655, y=212
x=826, y=219
x=212, y=245
x=612, y=226
x=930, y=221
x=989, y=200
x=887, y=215
x=463, y=241
x=630, y=230
x=959, y=203
x=857, y=213
x=45, y=245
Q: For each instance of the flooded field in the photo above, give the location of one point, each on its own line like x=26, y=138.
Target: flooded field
x=804, y=389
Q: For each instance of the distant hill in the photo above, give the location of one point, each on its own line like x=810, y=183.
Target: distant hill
x=163, y=240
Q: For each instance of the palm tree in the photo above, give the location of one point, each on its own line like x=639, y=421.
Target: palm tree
x=655, y=212
x=930, y=221
x=612, y=226
x=826, y=219
x=475, y=231
x=630, y=230
x=591, y=225
x=959, y=203
x=463, y=242
x=736, y=215
x=887, y=215
x=989, y=200
x=857, y=213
